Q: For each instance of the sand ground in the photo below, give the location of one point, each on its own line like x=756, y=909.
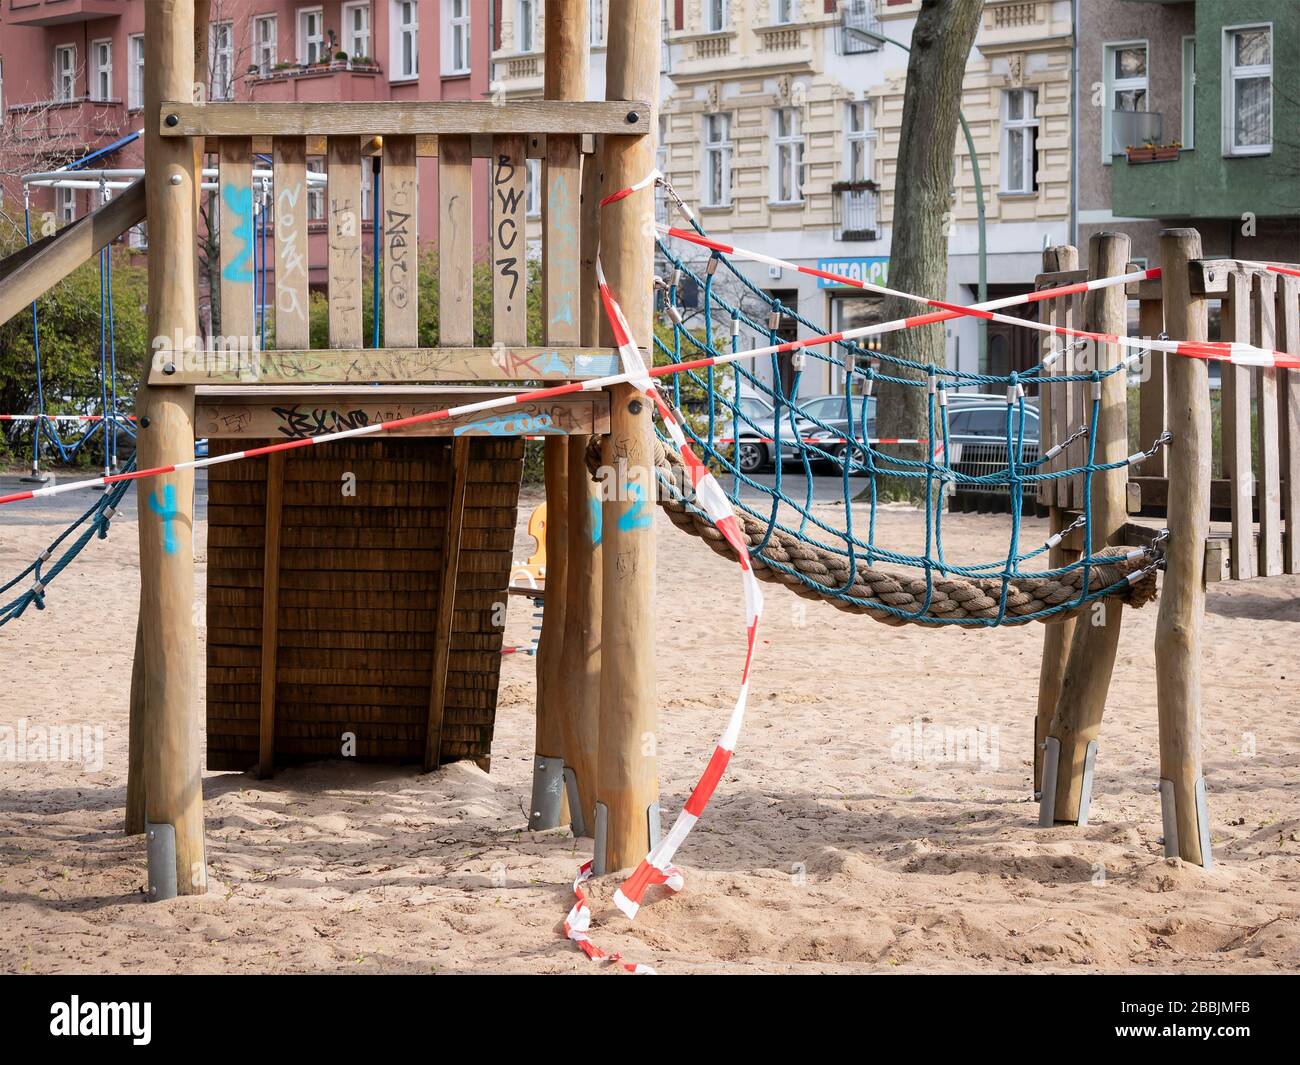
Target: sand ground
x=834, y=843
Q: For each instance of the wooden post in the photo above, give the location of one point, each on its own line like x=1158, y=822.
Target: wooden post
x=1182, y=598
x=565, y=78
x=1288, y=340
x=1056, y=637
x=627, y=785
x=1095, y=642
x=581, y=656
x=270, y=611
x=139, y=688
x=173, y=774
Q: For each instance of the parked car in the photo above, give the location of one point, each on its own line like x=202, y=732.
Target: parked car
x=977, y=434
x=757, y=442
x=832, y=412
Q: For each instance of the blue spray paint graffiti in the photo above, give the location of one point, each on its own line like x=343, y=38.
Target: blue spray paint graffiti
x=552, y=363
x=167, y=511
x=238, y=199
x=597, y=514
x=635, y=517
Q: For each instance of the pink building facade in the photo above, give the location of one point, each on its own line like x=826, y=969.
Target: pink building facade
x=72, y=78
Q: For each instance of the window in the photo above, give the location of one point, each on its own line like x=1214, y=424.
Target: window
x=1126, y=87
x=787, y=161
x=356, y=30
x=406, y=40
x=65, y=72
x=715, y=15
x=1189, y=91
x=315, y=192
x=65, y=204
x=265, y=34
x=311, y=35
x=717, y=160
x=526, y=26
x=455, y=48
x=859, y=139
x=137, y=237
x=533, y=189
x=222, y=60
x=1020, y=141
x=783, y=11
x=1248, y=91
x=101, y=70
x=135, y=70
x=596, y=21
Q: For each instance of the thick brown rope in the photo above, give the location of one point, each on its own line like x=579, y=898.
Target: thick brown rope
x=950, y=597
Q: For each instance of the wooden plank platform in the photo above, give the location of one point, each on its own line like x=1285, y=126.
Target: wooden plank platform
x=256, y=411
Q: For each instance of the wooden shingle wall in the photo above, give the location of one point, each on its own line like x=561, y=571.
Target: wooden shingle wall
x=357, y=600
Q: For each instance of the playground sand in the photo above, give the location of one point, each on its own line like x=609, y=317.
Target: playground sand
x=846, y=836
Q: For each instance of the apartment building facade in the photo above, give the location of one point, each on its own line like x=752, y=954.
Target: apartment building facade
x=1185, y=112
x=71, y=79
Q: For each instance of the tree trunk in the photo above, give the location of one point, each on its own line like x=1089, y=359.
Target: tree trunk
x=923, y=208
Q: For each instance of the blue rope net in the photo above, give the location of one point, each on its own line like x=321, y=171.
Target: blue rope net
x=715, y=431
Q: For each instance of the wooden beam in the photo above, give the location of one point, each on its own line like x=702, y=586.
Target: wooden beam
x=1268, y=489
x=458, y=454
x=1182, y=596
x=173, y=773
x=396, y=365
x=627, y=787
x=270, y=610
x=1288, y=322
x=387, y=118
x=292, y=300
x=30, y=272
x=1094, y=645
x=1056, y=638
x=401, y=233
x=247, y=413
x=344, y=163
x=1212, y=277
x=1235, y=410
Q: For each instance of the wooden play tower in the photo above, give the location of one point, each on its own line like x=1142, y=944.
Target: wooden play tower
x=369, y=617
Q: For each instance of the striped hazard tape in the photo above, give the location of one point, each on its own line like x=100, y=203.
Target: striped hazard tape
x=657, y=866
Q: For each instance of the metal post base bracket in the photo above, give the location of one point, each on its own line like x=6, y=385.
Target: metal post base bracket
x=1051, y=769
x=1047, y=804
x=548, y=793
x=577, y=822
x=160, y=846
x=598, y=861
x=1169, y=819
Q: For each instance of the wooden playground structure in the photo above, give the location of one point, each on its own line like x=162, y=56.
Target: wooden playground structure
x=1258, y=498
x=371, y=615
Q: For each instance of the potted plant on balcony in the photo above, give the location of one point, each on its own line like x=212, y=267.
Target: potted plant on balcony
x=1150, y=152
x=364, y=64
x=340, y=61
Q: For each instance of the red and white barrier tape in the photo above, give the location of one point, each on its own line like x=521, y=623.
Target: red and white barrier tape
x=1222, y=351
x=657, y=866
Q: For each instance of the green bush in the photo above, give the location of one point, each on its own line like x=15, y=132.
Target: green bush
x=69, y=320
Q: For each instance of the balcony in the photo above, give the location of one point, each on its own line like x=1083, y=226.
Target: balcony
x=53, y=127
x=859, y=28
x=57, y=12
x=855, y=207
x=1158, y=190
x=1134, y=128
x=295, y=82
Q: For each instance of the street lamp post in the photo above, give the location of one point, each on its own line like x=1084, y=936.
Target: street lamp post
x=876, y=37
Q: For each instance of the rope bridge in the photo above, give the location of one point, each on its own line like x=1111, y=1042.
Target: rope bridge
x=791, y=544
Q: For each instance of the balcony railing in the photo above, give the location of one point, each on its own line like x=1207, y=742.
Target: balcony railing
x=858, y=23
x=58, y=12
x=855, y=208
x=1134, y=128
